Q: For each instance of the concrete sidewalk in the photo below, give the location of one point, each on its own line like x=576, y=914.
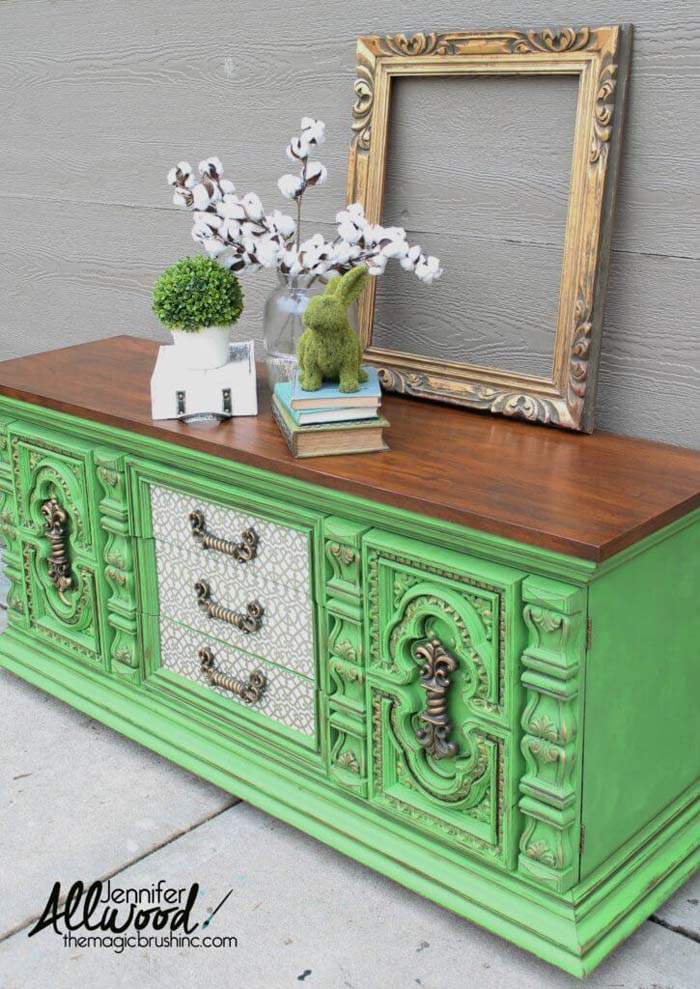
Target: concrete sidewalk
x=81, y=802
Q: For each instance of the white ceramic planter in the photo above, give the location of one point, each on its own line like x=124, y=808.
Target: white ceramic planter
x=203, y=350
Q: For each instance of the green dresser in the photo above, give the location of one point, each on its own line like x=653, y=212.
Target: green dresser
x=472, y=663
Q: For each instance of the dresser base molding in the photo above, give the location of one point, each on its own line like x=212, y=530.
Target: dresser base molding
x=574, y=931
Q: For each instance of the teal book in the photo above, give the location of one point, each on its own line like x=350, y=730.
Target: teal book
x=321, y=414
x=329, y=396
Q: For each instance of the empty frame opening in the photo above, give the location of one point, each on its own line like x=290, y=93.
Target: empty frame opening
x=478, y=171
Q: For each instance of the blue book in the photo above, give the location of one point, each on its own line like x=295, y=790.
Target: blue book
x=329, y=396
x=321, y=414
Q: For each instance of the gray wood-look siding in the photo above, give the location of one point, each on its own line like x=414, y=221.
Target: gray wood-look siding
x=100, y=99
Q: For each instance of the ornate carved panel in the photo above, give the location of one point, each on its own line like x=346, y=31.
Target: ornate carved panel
x=55, y=542
x=118, y=567
x=555, y=616
x=9, y=535
x=345, y=677
x=439, y=651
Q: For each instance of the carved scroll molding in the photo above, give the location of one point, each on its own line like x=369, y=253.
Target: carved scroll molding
x=599, y=55
x=551, y=671
x=9, y=536
x=344, y=678
x=118, y=556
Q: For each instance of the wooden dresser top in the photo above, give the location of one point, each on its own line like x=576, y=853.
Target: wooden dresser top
x=589, y=496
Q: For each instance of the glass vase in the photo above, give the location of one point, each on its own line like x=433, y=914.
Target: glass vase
x=283, y=326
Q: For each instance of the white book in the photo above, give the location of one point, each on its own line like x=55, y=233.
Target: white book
x=181, y=393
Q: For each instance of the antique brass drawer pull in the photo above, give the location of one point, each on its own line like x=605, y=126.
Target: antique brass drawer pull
x=249, y=690
x=434, y=731
x=58, y=564
x=247, y=621
x=244, y=551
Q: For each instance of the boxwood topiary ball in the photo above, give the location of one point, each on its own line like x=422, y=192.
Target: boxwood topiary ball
x=197, y=292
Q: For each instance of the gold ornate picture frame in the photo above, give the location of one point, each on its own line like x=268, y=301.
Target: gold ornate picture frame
x=599, y=57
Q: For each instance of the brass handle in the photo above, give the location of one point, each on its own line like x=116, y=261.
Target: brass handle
x=244, y=551
x=58, y=564
x=249, y=690
x=247, y=621
x=434, y=731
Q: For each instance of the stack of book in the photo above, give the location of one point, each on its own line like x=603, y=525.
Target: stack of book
x=328, y=421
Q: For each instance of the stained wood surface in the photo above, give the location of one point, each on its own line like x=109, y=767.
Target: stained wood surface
x=95, y=114
x=589, y=496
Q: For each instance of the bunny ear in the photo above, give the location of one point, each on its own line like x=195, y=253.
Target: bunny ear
x=333, y=285
x=351, y=284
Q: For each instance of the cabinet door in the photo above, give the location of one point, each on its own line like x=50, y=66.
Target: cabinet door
x=445, y=632
x=57, y=537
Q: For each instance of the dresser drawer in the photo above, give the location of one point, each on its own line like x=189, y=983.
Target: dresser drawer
x=209, y=594
x=280, y=698
x=278, y=553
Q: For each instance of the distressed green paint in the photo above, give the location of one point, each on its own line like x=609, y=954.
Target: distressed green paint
x=416, y=593
x=119, y=605
x=47, y=464
x=642, y=692
x=552, y=665
x=346, y=718
x=549, y=736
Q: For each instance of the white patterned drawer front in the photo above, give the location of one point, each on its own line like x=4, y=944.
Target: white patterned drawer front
x=286, y=635
x=287, y=698
x=282, y=552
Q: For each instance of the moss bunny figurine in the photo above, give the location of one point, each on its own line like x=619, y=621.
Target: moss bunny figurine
x=328, y=349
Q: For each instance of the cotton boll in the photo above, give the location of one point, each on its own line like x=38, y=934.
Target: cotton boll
x=181, y=175
x=314, y=246
x=316, y=173
x=281, y=223
x=428, y=269
x=230, y=230
x=296, y=151
x=200, y=197
x=411, y=259
x=211, y=167
x=395, y=249
x=253, y=206
x=348, y=230
x=393, y=233
x=373, y=233
x=377, y=264
x=313, y=132
x=290, y=186
x=267, y=252
x=208, y=217
x=231, y=208
x=226, y=259
x=213, y=246
x=343, y=252
x=289, y=261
